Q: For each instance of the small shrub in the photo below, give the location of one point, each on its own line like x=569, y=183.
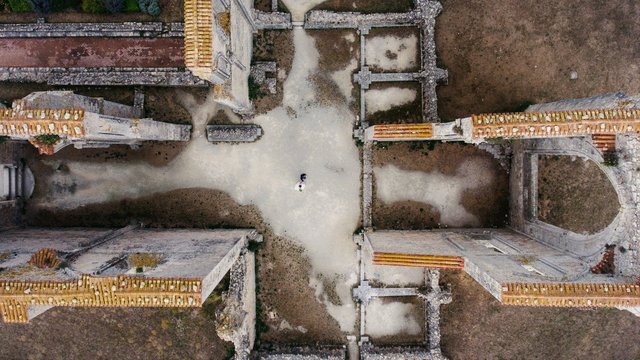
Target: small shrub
x=19, y=6
x=150, y=7
x=60, y=5
x=113, y=6
x=144, y=260
x=47, y=139
x=255, y=91
x=610, y=158
x=254, y=246
x=92, y=6
x=131, y=6
x=40, y=6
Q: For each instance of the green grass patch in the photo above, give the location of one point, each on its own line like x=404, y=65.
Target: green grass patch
x=255, y=90
x=19, y=6
x=131, y=6
x=47, y=139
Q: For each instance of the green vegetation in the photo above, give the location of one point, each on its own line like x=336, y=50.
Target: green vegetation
x=432, y=144
x=416, y=145
x=254, y=246
x=3, y=139
x=610, y=158
x=131, y=6
x=255, y=90
x=47, y=139
x=40, y=6
x=19, y=6
x=93, y=6
x=61, y=5
x=231, y=353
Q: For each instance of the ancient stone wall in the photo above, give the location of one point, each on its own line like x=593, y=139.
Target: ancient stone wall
x=103, y=76
x=124, y=29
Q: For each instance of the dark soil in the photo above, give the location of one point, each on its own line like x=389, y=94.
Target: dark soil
x=399, y=32
x=488, y=203
x=336, y=52
x=477, y=326
x=273, y=45
x=503, y=53
x=575, y=194
x=407, y=113
x=367, y=6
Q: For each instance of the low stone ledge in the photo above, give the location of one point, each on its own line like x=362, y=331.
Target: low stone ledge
x=107, y=76
x=234, y=133
x=272, y=20
x=125, y=29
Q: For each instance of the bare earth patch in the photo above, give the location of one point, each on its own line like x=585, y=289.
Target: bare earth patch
x=367, y=6
x=115, y=333
x=393, y=49
x=273, y=45
x=284, y=285
x=410, y=112
x=475, y=325
x=488, y=203
x=504, y=53
x=575, y=194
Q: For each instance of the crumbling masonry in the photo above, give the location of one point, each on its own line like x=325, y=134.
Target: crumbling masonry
x=53, y=120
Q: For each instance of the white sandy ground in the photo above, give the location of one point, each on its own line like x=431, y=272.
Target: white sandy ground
x=440, y=191
x=391, y=319
x=405, y=48
x=343, y=79
x=386, y=99
x=311, y=139
x=298, y=8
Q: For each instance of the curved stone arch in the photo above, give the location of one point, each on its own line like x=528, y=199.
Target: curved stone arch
x=585, y=246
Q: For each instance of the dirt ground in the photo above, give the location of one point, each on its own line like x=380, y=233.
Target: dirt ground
x=115, y=333
x=407, y=113
x=92, y=52
x=273, y=45
x=418, y=314
x=504, y=53
x=489, y=203
x=172, y=11
x=366, y=6
x=336, y=54
x=477, y=326
x=575, y=194
x=399, y=32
